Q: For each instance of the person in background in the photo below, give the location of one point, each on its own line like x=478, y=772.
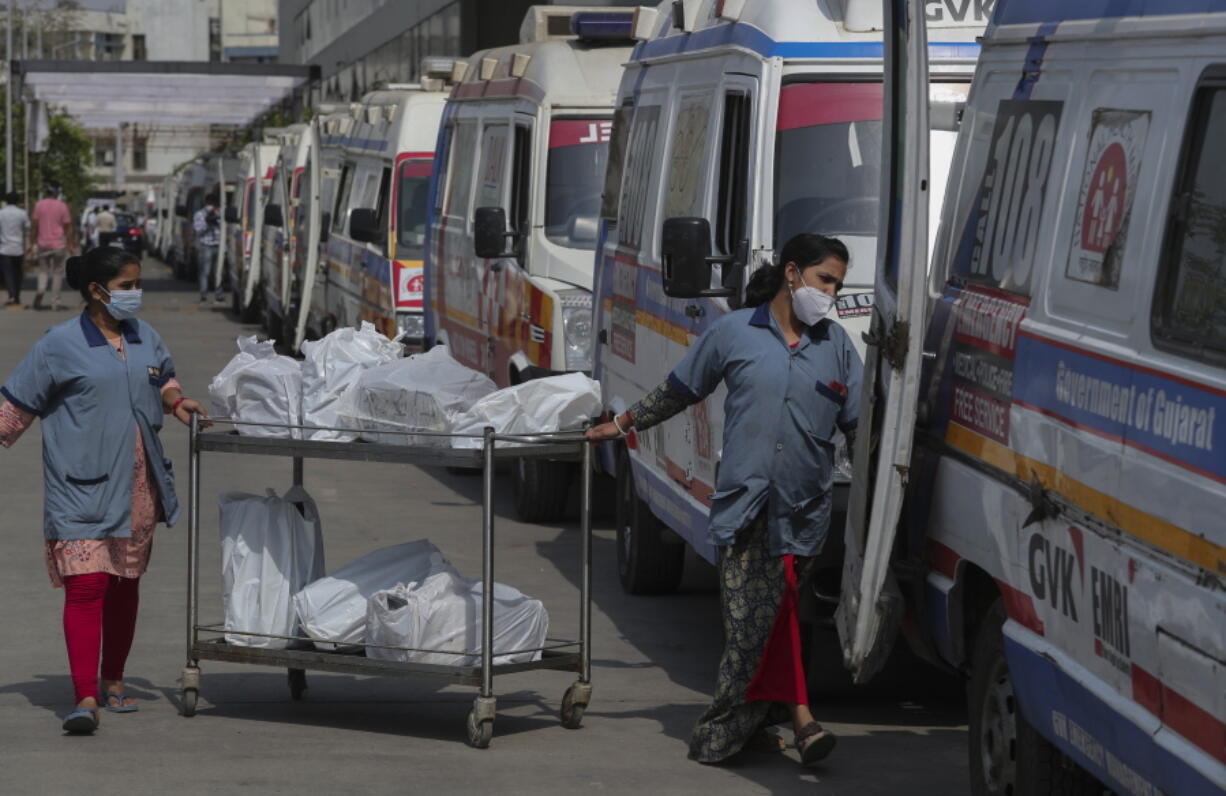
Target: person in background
x=14, y=244
x=105, y=225
x=89, y=234
x=55, y=237
x=207, y=225
x=793, y=379
x=101, y=383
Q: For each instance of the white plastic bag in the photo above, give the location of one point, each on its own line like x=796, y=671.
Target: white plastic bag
x=269, y=551
x=556, y=403
x=269, y=391
x=330, y=368
x=333, y=608
x=443, y=613
x=223, y=390
x=421, y=393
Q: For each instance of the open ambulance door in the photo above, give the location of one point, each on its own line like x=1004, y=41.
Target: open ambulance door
x=310, y=265
x=255, y=220
x=871, y=607
x=220, y=265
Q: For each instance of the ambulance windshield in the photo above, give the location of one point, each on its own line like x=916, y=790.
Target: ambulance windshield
x=828, y=159
x=578, y=152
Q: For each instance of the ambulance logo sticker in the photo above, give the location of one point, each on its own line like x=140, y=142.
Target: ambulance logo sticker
x=1108, y=185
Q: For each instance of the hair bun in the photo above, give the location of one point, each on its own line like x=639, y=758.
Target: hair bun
x=72, y=272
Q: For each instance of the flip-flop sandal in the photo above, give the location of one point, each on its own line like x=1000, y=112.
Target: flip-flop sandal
x=765, y=742
x=814, y=743
x=81, y=721
x=121, y=707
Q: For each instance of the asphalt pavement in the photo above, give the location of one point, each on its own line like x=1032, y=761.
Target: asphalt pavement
x=654, y=658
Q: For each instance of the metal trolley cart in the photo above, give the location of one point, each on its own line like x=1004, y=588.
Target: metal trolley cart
x=560, y=654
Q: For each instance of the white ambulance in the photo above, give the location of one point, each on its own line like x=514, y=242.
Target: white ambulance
x=373, y=254
x=1048, y=501
x=279, y=250
x=763, y=119
x=244, y=225
x=514, y=213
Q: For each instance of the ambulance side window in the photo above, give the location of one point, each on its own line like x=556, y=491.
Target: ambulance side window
x=1189, y=314
x=733, y=173
x=443, y=161
x=521, y=173
x=640, y=167
x=492, y=173
x=385, y=195
x=622, y=119
x=463, y=158
x=339, y=216
x=687, y=162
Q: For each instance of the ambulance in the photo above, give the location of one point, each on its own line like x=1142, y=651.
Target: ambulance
x=525, y=140
x=1045, y=508
x=309, y=294
x=756, y=120
x=244, y=220
x=191, y=183
x=280, y=250
x=374, y=250
x=183, y=193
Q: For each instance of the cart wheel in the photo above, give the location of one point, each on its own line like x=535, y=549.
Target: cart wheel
x=574, y=703
x=189, y=698
x=297, y=684
x=479, y=732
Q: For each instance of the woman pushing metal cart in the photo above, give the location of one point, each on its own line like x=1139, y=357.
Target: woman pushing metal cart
x=559, y=654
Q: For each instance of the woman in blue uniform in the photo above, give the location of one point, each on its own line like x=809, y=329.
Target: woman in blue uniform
x=793, y=377
x=101, y=383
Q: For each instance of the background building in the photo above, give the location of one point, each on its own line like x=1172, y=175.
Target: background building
x=360, y=45
x=134, y=157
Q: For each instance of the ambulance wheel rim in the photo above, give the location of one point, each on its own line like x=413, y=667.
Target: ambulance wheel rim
x=998, y=728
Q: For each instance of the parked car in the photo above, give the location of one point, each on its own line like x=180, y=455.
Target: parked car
x=128, y=233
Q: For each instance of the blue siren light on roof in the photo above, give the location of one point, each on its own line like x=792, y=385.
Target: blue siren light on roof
x=603, y=25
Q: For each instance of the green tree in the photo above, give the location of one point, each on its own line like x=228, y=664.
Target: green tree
x=66, y=161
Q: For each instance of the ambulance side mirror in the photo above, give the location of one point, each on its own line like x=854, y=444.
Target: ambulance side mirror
x=272, y=216
x=364, y=225
x=687, y=260
x=232, y=214
x=490, y=233
x=325, y=227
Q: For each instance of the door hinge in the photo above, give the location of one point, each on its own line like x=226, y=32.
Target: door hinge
x=893, y=344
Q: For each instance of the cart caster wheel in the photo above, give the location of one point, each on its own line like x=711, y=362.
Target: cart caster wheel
x=480, y=732
x=574, y=703
x=297, y=684
x=189, y=697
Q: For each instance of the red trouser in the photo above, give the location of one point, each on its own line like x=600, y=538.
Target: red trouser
x=99, y=612
x=781, y=672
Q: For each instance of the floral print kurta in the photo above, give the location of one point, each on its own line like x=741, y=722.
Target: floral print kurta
x=125, y=557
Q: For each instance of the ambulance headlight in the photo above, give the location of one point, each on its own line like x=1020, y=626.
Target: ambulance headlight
x=577, y=329
x=411, y=326
x=842, y=458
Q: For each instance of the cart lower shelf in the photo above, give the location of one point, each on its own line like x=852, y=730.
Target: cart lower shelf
x=358, y=663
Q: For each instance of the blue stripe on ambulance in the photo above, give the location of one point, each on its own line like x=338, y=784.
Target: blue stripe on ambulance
x=751, y=38
x=1087, y=726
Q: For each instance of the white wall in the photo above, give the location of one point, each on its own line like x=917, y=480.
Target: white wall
x=175, y=30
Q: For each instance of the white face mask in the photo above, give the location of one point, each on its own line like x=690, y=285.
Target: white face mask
x=810, y=304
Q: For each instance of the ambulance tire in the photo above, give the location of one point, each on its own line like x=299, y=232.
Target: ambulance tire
x=1007, y=754
x=648, y=562
x=541, y=489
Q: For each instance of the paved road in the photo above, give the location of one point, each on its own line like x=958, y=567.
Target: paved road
x=655, y=658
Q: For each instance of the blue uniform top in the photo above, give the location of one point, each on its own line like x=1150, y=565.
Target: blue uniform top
x=92, y=401
x=783, y=406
